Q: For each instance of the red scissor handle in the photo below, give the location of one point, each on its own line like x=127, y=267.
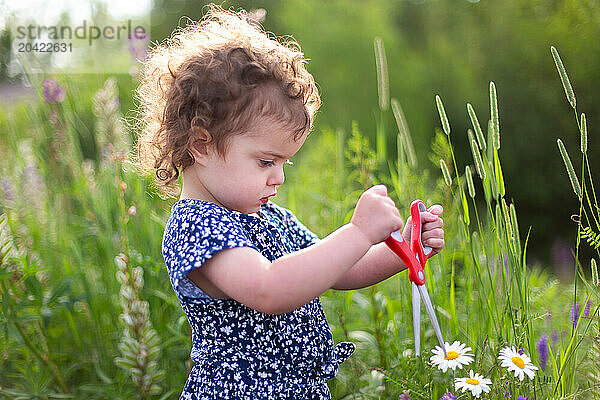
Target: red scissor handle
x=416, y=256
x=422, y=252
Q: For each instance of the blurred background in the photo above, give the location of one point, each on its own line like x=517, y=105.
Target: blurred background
x=449, y=48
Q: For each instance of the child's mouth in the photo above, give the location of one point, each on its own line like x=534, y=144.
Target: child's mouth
x=264, y=200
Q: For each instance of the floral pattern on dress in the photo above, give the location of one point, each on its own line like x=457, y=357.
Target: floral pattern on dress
x=238, y=352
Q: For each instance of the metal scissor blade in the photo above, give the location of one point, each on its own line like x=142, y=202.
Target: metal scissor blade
x=436, y=327
x=416, y=309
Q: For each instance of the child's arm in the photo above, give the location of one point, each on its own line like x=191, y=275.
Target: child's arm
x=297, y=278
x=379, y=263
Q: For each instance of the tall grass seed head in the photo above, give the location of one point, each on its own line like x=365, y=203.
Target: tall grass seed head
x=478, y=160
x=583, y=132
x=564, y=78
x=445, y=172
x=382, y=74
x=570, y=169
x=494, y=116
x=476, y=126
x=470, y=184
x=443, y=116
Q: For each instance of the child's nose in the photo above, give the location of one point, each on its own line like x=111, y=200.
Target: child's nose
x=276, y=178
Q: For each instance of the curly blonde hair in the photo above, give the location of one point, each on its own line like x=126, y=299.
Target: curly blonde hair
x=219, y=74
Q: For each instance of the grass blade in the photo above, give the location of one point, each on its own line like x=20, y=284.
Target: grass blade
x=498, y=173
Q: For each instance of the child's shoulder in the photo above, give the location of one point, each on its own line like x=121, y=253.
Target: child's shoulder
x=199, y=217
x=194, y=209
x=186, y=212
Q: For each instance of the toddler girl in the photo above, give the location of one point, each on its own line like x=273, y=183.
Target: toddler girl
x=226, y=106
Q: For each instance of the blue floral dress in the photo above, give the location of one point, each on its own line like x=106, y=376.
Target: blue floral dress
x=238, y=352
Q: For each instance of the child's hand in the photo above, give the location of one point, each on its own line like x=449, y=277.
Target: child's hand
x=432, y=234
x=376, y=214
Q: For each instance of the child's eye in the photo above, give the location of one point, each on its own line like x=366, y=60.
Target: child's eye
x=266, y=163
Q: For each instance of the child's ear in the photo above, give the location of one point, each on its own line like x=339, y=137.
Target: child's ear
x=200, y=140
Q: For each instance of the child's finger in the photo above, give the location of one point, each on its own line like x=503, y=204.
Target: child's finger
x=436, y=209
x=435, y=243
x=433, y=233
x=426, y=216
x=437, y=223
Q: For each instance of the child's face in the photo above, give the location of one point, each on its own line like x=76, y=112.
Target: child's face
x=250, y=172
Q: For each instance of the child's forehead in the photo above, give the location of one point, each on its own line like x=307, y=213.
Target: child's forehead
x=272, y=139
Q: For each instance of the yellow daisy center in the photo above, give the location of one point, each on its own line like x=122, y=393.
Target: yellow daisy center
x=518, y=362
x=452, y=355
x=472, y=381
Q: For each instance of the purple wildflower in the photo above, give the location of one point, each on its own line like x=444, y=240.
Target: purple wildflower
x=404, y=395
x=523, y=398
x=505, y=389
x=448, y=396
x=554, y=338
x=521, y=351
x=586, y=311
x=138, y=47
x=8, y=190
x=53, y=92
x=542, y=348
x=575, y=313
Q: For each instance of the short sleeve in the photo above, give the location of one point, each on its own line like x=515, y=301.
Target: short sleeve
x=194, y=234
x=303, y=236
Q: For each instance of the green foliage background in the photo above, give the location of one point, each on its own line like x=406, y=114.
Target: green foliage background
x=451, y=48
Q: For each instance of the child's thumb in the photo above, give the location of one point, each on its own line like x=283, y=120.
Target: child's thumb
x=436, y=209
x=379, y=189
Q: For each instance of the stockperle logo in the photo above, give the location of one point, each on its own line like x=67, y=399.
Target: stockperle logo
x=87, y=30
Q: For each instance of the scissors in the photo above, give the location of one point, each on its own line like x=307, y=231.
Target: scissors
x=415, y=257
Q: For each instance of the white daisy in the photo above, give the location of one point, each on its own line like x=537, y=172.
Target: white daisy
x=475, y=383
x=519, y=363
x=457, y=356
